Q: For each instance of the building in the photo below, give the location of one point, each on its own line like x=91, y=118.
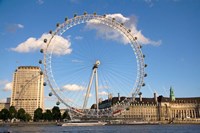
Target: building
x=28, y=89
x=5, y=105
x=155, y=108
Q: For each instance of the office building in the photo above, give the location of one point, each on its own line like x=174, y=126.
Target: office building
x=28, y=90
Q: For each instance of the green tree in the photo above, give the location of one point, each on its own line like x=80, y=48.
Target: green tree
x=48, y=115
x=21, y=114
x=28, y=117
x=66, y=115
x=4, y=114
x=38, y=114
x=13, y=112
x=56, y=113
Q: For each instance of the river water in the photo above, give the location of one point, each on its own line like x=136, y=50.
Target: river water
x=104, y=129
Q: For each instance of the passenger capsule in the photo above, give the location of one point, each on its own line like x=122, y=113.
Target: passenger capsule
x=75, y=15
x=50, y=32
x=45, y=40
x=50, y=94
x=85, y=13
x=145, y=75
x=104, y=15
x=40, y=61
x=57, y=25
x=129, y=31
x=95, y=13
x=143, y=84
x=145, y=65
x=44, y=84
x=135, y=38
x=41, y=72
x=57, y=103
x=41, y=51
x=66, y=19
x=143, y=56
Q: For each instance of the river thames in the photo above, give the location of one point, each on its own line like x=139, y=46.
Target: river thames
x=104, y=129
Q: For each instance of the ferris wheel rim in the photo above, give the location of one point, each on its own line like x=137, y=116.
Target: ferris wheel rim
x=61, y=28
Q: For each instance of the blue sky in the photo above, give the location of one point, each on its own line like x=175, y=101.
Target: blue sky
x=170, y=26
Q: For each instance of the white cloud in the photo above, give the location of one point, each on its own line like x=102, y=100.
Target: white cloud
x=90, y=95
x=14, y=27
x=77, y=61
x=61, y=45
x=103, y=93
x=20, y=26
x=104, y=87
x=2, y=100
x=68, y=100
x=40, y=2
x=149, y=3
x=8, y=86
x=112, y=34
x=73, y=87
x=2, y=82
x=78, y=38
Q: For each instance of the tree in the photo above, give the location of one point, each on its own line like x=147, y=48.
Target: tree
x=56, y=113
x=4, y=114
x=48, y=115
x=28, y=117
x=13, y=112
x=21, y=114
x=66, y=115
x=38, y=114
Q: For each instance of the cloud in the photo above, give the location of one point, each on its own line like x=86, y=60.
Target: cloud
x=90, y=95
x=104, y=87
x=149, y=3
x=2, y=100
x=77, y=61
x=73, y=87
x=40, y=2
x=2, y=82
x=14, y=27
x=78, y=38
x=61, y=45
x=8, y=87
x=103, y=93
x=112, y=34
x=68, y=100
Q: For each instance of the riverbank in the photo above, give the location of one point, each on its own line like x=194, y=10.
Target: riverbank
x=7, y=124
x=27, y=123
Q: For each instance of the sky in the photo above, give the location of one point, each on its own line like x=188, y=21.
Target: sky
x=167, y=29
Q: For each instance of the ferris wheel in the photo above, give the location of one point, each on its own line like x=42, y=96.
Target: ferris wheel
x=88, y=73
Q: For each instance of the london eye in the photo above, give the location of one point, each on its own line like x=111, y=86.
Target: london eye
x=91, y=68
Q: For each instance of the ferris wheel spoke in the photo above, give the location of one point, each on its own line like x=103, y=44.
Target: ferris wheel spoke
x=118, y=77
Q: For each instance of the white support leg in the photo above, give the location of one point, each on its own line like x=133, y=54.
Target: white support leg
x=88, y=90
x=96, y=87
x=94, y=71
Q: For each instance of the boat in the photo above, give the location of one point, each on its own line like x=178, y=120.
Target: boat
x=84, y=123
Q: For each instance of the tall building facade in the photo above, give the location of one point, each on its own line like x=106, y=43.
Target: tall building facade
x=28, y=89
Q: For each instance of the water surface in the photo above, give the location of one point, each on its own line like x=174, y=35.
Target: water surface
x=104, y=129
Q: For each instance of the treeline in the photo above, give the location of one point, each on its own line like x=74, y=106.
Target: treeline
x=39, y=115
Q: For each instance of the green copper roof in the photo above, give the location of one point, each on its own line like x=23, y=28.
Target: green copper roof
x=172, y=96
